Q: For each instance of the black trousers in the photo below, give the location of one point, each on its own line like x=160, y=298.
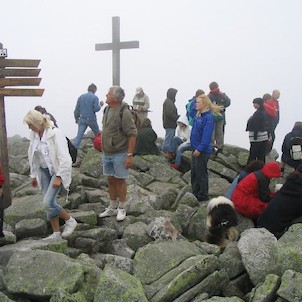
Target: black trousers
x=257, y=151
x=199, y=176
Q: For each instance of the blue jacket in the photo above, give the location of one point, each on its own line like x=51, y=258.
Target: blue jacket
x=87, y=105
x=201, y=133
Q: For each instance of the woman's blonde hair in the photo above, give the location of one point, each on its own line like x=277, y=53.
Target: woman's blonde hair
x=208, y=105
x=37, y=119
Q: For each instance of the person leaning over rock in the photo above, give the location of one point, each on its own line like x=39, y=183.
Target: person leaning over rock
x=50, y=168
x=118, y=141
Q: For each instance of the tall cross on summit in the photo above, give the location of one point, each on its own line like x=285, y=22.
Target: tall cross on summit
x=116, y=45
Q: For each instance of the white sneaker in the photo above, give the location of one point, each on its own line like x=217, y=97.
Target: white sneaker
x=108, y=212
x=69, y=227
x=121, y=214
x=53, y=236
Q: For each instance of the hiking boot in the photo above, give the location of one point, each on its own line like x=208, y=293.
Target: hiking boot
x=108, y=212
x=121, y=214
x=53, y=236
x=69, y=227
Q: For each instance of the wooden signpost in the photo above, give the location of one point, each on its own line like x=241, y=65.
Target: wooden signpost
x=17, y=74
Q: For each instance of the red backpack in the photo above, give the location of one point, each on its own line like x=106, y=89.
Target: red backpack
x=97, y=142
x=271, y=107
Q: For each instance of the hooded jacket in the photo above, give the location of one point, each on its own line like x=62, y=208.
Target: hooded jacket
x=170, y=114
x=252, y=193
x=296, y=132
x=285, y=206
x=184, y=132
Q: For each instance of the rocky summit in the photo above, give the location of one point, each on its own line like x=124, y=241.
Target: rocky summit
x=156, y=254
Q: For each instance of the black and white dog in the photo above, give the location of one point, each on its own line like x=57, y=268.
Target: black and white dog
x=222, y=220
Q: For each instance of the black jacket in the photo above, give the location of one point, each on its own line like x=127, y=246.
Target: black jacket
x=284, y=207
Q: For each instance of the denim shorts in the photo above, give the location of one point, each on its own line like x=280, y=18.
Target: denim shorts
x=114, y=165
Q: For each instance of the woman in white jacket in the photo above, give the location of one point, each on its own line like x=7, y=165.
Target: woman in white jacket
x=50, y=168
x=180, y=142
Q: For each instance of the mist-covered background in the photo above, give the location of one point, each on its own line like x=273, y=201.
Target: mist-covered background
x=250, y=47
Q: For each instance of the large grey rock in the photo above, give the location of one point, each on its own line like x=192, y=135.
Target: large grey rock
x=58, y=245
x=258, y=252
x=289, y=250
x=35, y=227
x=290, y=288
x=157, y=258
x=117, y=285
x=27, y=207
x=28, y=273
x=180, y=279
x=266, y=291
x=136, y=235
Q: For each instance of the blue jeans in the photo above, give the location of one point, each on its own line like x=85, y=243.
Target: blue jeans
x=83, y=124
x=50, y=193
x=199, y=176
x=170, y=132
x=179, y=149
x=114, y=165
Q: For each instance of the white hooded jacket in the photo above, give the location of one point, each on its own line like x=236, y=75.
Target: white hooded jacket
x=184, y=132
x=60, y=159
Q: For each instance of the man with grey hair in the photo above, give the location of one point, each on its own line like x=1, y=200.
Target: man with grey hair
x=87, y=105
x=118, y=142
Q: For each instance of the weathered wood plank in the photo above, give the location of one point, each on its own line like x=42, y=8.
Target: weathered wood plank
x=21, y=92
x=4, y=156
x=8, y=72
x=19, y=63
x=19, y=82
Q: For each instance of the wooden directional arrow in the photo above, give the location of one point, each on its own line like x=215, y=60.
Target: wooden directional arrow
x=19, y=63
x=19, y=82
x=20, y=92
x=6, y=72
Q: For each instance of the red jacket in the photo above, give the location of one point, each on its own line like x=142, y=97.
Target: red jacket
x=246, y=197
x=1, y=177
x=271, y=107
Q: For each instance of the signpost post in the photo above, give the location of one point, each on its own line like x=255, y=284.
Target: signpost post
x=14, y=73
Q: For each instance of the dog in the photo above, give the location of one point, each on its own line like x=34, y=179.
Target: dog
x=222, y=220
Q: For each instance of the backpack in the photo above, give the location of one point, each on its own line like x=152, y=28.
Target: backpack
x=72, y=150
x=295, y=148
x=97, y=142
x=133, y=111
x=271, y=108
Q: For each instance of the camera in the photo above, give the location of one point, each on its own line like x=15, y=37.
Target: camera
x=3, y=53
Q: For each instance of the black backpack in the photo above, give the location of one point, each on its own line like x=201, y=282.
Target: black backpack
x=295, y=148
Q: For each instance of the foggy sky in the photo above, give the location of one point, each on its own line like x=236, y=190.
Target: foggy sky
x=250, y=47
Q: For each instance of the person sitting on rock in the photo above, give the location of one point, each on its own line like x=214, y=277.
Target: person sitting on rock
x=253, y=194
x=254, y=165
x=146, y=138
x=180, y=142
x=285, y=208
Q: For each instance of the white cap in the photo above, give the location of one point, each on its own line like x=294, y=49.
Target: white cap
x=138, y=90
